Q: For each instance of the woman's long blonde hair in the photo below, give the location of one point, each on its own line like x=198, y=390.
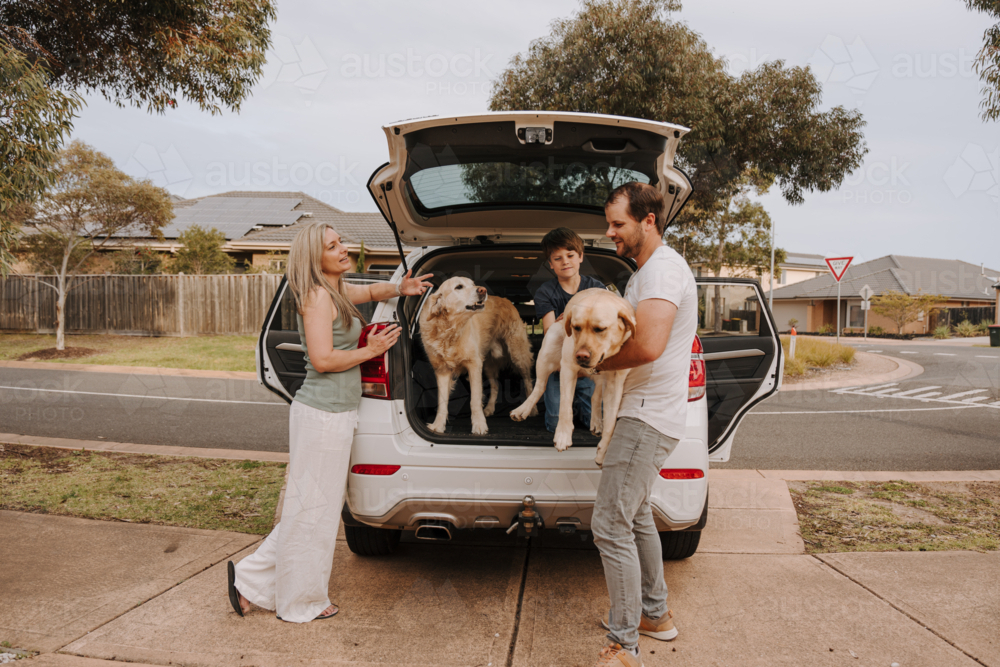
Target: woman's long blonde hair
x=305, y=273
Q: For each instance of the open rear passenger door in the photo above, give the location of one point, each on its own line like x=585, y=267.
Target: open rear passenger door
x=281, y=364
x=743, y=356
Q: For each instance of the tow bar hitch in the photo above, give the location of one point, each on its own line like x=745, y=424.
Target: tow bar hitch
x=528, y=521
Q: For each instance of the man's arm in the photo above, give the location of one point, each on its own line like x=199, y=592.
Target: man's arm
x=654, y=318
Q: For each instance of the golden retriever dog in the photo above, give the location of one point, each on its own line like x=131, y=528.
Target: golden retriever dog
x=463, y=331
x=596, y=323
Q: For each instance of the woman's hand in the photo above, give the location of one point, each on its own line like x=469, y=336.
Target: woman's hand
x=415, y=286
x=379, y=342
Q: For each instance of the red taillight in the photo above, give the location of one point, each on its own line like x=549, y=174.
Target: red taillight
x=370, y=469
x=696, y=376
x=682, y=473
x=374, y=372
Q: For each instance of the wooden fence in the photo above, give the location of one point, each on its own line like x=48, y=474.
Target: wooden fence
x=145, y=305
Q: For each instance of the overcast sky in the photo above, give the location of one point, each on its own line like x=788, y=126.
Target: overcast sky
x=930, y=185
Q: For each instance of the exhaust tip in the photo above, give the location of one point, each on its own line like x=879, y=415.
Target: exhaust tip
x=434, y=531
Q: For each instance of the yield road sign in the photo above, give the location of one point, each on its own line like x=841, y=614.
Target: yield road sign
x=866, y=293
x=838, y=265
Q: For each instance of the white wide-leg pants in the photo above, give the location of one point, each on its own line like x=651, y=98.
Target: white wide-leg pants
x=290, y=571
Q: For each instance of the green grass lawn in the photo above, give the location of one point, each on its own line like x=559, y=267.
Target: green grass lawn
x=213, y=494
x=214, y=353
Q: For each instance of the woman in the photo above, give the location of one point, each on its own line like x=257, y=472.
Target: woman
x=290, y=571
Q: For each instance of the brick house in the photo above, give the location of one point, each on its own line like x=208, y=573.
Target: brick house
x=814, y=302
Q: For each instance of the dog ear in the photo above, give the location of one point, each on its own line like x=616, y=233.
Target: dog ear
x=568, y=321
x=628, y=319
x=434, y=305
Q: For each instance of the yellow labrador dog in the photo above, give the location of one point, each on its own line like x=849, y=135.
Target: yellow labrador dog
x=463, y=331
x=596, y=325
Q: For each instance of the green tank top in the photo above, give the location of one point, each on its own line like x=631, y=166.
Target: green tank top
x=332, y=392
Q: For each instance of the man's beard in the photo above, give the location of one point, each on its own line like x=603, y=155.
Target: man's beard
x=632, y=245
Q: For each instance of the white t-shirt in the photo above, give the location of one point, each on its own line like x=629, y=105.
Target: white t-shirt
x=657, y=392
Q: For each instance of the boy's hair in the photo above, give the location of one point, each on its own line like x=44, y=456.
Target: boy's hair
x=642, y=200
x=561, y=238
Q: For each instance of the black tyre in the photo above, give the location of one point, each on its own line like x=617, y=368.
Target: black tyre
x=680, y=544
x=368, y=541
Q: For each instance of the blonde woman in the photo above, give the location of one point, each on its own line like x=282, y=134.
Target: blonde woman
x=290, y=571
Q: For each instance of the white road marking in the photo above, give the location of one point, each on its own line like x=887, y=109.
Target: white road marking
x=875, y=351
x=905, y=352
x=158, y=398
x=915, y=391
x=878, y=386
x=962, y=399
x=884, y=392
x=943, y=354
x=844, y=412
x=986, y=356
x=962, y=393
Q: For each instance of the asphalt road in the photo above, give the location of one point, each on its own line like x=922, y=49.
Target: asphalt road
x=947, y=418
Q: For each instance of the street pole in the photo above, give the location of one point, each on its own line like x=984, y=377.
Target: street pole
x=838, y=312
x=866, y=322
x=770, y=291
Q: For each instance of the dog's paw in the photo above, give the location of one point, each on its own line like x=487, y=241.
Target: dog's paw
x=563, y=439
x=479, y=427
x=596, y=425
x=488, y=411
x=519, y=414
x=434, y=427
x=599, y=460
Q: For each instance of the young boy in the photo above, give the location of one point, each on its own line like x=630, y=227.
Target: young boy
x=563, y=250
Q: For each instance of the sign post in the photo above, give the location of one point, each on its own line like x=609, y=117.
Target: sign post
x=838, y=266
x=866, y=295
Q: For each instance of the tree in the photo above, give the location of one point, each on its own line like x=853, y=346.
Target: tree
x=90, y=204
x=987, y=63
x=33, y=121
x=902, y=308
x=137, y=261
x=629, y=58
x=144, y=53
x=202, y=252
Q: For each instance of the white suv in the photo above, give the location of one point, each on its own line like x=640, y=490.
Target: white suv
x=478, y=193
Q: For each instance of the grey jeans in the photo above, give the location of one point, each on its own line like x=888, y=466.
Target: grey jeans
x=624, y=531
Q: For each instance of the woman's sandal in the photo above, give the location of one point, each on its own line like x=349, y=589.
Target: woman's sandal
x=234, y=595
x=321, y=617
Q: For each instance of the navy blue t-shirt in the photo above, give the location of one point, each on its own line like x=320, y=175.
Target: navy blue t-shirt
x=550, y=297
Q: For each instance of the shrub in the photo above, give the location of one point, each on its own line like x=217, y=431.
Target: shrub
x=826, y=329
x=984, y=328
x=943, y=331
x=792, y=323
x=876, y=331
x=966, y=329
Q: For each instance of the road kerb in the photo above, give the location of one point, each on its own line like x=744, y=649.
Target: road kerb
x=129, y=370
x=904, y=369
x=133, y=448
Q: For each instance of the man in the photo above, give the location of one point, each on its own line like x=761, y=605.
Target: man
x=651, y=421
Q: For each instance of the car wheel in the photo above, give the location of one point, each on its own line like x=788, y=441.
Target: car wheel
x=368, y=541
x=681, y=544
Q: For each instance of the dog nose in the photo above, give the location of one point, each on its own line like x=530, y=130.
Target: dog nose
x=582, y=355
x=481, y=291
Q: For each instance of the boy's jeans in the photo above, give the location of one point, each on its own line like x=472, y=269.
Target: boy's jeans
x=624, y=531
x=581, y=401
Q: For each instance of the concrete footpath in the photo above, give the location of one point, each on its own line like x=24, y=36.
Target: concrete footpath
x=93, y=594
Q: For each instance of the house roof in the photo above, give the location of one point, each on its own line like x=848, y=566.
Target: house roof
x=353, y=227
x=948, y=277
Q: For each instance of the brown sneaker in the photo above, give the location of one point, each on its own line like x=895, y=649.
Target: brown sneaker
x=662, y=629
x=615, y=656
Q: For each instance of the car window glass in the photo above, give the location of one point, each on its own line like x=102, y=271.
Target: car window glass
x=728, y=310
